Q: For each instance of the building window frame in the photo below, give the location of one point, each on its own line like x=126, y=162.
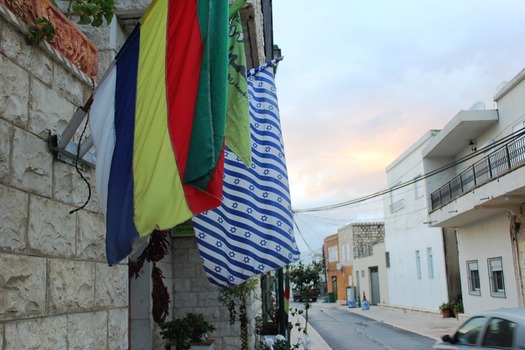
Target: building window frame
x=430, y=263
x=496, y=277
x=474, y=285
x=418, y=265
x=419, y=187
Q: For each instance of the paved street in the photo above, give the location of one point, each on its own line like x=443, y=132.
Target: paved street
x=369, y=328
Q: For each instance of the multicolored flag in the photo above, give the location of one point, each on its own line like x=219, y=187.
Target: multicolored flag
x=251, y=232
x=158, y=122
x=238, y=117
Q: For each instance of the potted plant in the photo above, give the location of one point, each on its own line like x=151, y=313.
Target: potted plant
x=188, y=332
x=445, y=309
x=458, y=308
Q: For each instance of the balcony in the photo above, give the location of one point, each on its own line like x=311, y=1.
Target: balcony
x=496, y=164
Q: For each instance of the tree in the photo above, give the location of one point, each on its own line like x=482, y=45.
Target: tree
x=306, y=278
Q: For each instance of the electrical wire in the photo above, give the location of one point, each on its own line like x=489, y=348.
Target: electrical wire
x=461, y=160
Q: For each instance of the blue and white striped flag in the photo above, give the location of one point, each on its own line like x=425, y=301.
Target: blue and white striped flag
x=251, y=232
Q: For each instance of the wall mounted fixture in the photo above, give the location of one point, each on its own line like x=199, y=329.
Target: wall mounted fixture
x=472, y=145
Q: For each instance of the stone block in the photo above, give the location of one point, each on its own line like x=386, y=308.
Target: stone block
x=132, y=7
x=49, y=333
x=52, y=230
x=201, y=285
x=91, y=242
x=70, y=188
x=71, y=286
x=185, y=300
x=13, y=216
x=118, y=329
x=208, y=299
x=88, y=330
x=182, y=285
x=31, y=163
x=13, y=45
x=14, y=99
x=49, y=111
x=111, y=286
x=186, y=270
x=22, y=287
x=105, y=58
x=231, y=343
x=6, y=136
x=68, y=85
x=30, y=58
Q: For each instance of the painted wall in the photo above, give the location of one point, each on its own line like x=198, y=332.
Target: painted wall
x=406, y=234
x=363, y=266
x=480, y=241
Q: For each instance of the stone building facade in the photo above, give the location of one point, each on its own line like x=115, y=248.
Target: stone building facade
x=56, y=289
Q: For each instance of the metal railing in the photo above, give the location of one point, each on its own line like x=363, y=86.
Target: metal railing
x=490, y=167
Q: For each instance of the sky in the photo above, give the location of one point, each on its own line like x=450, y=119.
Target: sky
x=361, y=81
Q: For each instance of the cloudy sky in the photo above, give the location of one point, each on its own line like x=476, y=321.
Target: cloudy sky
x=361, y=81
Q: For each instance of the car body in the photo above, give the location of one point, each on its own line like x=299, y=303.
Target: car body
x=496, y=329
x=309, y=294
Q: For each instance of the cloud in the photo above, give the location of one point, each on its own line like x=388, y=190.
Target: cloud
x=361, y=81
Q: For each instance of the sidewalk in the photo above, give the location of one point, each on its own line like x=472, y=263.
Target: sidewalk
x=429, y=324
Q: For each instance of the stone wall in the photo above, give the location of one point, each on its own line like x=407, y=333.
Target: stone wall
x=192, y=292
x=56, y=289
x=366, y=235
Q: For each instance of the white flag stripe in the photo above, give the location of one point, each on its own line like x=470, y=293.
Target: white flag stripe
x=251, y=232
x=102, y=124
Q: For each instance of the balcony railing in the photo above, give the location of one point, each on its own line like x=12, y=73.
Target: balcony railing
x=490, y=167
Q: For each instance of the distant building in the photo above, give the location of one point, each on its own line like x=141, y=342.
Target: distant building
x=355, y=262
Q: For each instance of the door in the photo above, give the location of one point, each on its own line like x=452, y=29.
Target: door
x=334, y=287
x=374, y=286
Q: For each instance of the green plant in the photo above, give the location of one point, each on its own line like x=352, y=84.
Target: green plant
x=445, y=306
x=306, y=278
x=92, y=12
x=190, y=329
x=234, y=297
x=458, y=306
x=42, y=30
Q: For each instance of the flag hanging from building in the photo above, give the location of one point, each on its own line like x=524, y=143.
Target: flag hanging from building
x=251, y=232
x=158, y=121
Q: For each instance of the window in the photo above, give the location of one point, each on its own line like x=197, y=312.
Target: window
x=497, y=282
x=396, y=201
x=430, y=263
x=468, y=333
x=387, y=259
x=418, y=265
x=333, y=254
x=500, y=334
x=473, y=277
x=418, y=187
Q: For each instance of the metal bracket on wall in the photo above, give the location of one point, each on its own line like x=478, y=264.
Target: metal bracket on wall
x=65, y=149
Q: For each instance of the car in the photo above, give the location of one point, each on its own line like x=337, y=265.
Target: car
x=496, y=329
x=310, y=294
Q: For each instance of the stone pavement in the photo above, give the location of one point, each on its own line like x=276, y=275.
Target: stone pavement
x=429, y=324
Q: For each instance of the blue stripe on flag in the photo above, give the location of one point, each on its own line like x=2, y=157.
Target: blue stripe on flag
x=251, y=232
x=120, y=227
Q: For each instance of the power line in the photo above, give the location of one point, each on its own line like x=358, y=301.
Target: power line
x=413, y=181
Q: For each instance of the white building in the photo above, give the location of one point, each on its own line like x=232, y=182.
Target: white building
x=416, y=266
x=478, y=191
